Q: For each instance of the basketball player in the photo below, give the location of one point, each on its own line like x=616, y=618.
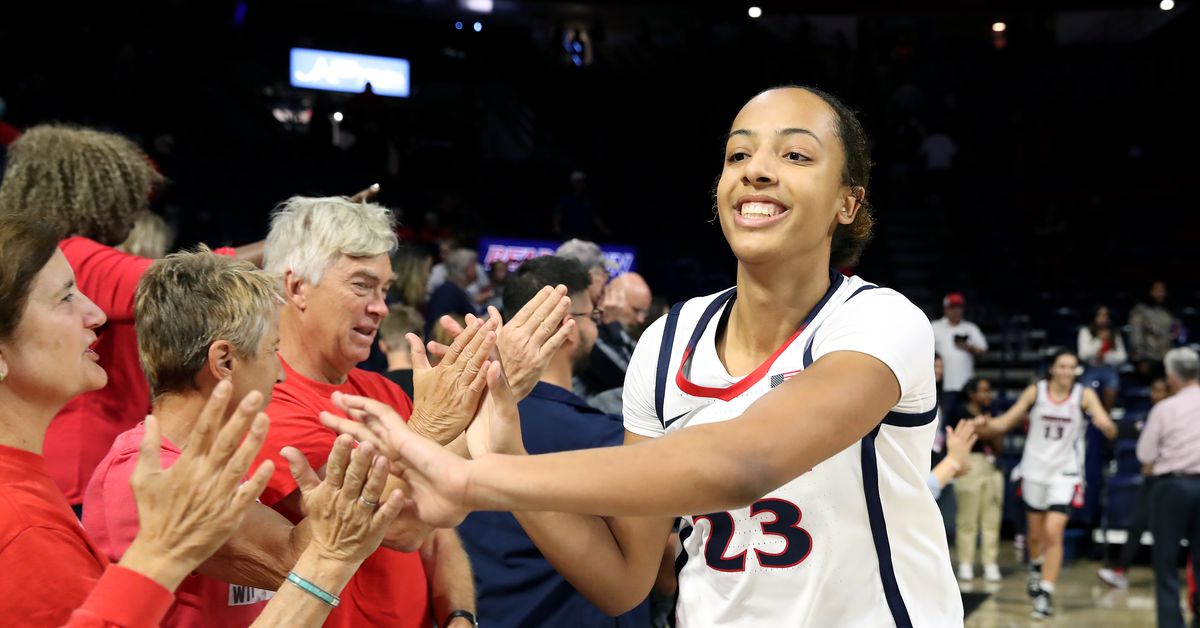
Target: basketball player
x=1051, y=467
x=787, y=420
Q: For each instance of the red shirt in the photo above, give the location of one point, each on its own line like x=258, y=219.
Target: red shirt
x=390, y=589
x=48, y=565
x=111, y=518
x=81, y=434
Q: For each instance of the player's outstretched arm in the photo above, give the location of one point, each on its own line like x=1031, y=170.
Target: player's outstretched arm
x=1011, y=417
x=1091, y=404
x=705, y=468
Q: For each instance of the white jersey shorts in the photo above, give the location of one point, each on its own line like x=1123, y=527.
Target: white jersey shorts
x=1059, y=494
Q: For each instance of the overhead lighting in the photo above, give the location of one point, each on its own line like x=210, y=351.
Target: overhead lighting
x=755, y=12
x=458, y=26
x=999, y=27
x=1166, y=5
x=478, y=6
x=337, y=116
x=478, y=27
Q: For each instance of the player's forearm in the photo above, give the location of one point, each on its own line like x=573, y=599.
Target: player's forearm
x=584, y=550
x=451, y=585
x=706, y=468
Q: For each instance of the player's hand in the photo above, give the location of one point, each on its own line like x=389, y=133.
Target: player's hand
x=437, y=479
x=497, y=427
x=446, y=397
x=527, y=342
x=366, y=195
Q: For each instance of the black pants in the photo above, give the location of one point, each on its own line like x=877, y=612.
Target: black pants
x=1138, y=523
x=1174, y=516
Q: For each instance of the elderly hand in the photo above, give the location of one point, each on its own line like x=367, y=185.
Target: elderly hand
x=527, y=343
x=446, y=396
x=437, y=479
x=188, y=511
x=347, y=512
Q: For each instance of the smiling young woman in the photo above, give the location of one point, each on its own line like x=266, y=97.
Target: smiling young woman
x=787, y=420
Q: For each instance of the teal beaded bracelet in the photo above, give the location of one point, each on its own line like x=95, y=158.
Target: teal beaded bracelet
x=313, y=590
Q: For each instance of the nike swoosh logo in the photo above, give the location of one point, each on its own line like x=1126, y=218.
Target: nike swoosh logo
x=668, y=423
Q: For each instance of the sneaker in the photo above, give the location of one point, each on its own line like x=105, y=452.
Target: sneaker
x=1114, y=578
x=1033, y=586
x=966, y=572
x=1043, y=608
x=991, y=573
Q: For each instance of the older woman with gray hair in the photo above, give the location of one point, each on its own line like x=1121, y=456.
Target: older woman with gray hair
x=1170, y=444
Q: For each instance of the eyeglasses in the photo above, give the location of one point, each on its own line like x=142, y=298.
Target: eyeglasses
x=597, y=315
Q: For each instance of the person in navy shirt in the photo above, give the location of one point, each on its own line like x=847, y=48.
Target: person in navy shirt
x=516, y=585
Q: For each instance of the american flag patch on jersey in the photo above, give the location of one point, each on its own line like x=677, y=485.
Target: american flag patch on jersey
x=780, y=378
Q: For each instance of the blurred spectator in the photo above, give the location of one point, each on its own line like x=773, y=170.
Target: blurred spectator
x=980, y=491
x=552, y=419
x=401, y=320
x=497, y=277
x=410, y=274
x=1150, y=331
x=577, y=215
x=1170, y=444
x=451, y=297
x=151, y=237
x=593, y=259
x=1100, y=347
x=1139, y=521
x=959, y=342
x=479, y=289
x=627, y=301
x=658, y=309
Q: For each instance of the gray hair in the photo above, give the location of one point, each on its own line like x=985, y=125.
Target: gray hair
x=309, y=235
x=584, y=252
x=1183, y=363
x=457, y=263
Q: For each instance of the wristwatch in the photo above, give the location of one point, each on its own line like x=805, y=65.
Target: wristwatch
x=467, y=615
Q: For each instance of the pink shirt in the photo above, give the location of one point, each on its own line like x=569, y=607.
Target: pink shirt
x=1171, y=439
x=111, y=519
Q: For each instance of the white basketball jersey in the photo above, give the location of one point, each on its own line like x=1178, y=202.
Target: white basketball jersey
x=1054, y=448
x=856, y=541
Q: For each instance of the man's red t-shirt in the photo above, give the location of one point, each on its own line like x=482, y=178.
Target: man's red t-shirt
x=49, y=568
x=110, y=517
x=391, y=588
x=84, y=429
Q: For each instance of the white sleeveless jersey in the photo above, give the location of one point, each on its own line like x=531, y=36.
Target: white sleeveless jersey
x=856, y=541
x=1055, y=446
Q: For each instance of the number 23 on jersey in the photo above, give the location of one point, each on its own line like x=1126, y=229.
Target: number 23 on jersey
x=785, y=525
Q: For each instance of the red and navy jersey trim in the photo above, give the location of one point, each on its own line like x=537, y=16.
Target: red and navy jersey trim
x=730, y=392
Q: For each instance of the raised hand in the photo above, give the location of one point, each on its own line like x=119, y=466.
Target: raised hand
x=347, y=513
x=446, y=396
x=527, y=342
x=497, y=427
x=366, y=195
x=188, y=511
x=959, y=441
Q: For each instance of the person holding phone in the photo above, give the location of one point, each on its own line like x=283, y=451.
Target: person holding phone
x=959, y=342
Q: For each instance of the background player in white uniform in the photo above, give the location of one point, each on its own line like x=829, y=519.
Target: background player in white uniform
x=1051, y=467
x=790, y=424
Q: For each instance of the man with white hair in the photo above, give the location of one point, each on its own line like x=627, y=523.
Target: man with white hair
x=333, y=258
x=593, y=259
x=1170, y=443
